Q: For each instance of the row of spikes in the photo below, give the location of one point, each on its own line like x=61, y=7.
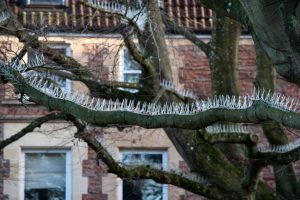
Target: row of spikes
x=108, y=6
x=18, y=64
x=47, y=76
x=196, y=178
x=265, y=148
x=224, y=101
x=104, y=105
x=226, y=128
x=228, y=102
x=7, y=73
x=139, y=17
x=39, y=60
x=277, y=100
x=4, y=16
x=167, y=85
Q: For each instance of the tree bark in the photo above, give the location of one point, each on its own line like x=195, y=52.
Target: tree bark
x=286, y=180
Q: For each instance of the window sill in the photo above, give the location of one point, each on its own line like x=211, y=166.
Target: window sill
x=15, y=102
x=44, y=7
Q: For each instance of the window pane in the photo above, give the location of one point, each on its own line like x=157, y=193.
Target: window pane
x=46, y=2
x=145, y=189
x=131, y=78
x=61, y=50
x=129, y=62
x=45, y=176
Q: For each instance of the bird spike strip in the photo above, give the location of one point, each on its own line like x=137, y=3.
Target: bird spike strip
x=108, y=6
x=20, y=66
x=267, y=148
x=226, y=128
x=138, y=16
x=167, y=85
x=228, y=102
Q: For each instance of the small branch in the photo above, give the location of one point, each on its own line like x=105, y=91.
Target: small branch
x=158, y=96
x=34, y=124
x=233, y=138
x=279, y=156
x=251, y=179
x=61, y=72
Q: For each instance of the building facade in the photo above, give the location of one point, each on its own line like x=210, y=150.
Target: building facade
x=51, y=153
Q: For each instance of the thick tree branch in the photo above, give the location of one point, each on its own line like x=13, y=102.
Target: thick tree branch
x=138, y=55
x=232, y=138
x=257, y=112
x=278, y=158
x=286, y=180
x=231, y=9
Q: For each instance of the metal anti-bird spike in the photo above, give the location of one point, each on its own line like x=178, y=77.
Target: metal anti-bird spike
x=279, y=148
x=226, y=128
x=275, y=99
x=167, y=85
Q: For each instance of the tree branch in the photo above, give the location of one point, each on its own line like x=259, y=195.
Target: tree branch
x=138, y=55
x=233, y=138
x=257, y=112
x=197, y=117
x=279, y=154
x=104, y=83
x=145, y=172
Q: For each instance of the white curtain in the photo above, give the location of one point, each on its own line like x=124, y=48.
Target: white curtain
x=45, y=170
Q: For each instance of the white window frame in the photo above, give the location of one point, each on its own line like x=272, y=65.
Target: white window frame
x=68, y=166
x=122, y=71
x=28, y=2
x=61, y=46
x=68, y=86
x=164, y=167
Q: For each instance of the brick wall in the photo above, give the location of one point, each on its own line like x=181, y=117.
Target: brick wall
x=94, y=169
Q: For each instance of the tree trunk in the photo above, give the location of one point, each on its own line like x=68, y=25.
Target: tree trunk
x=223, y=61
x=286, y=181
